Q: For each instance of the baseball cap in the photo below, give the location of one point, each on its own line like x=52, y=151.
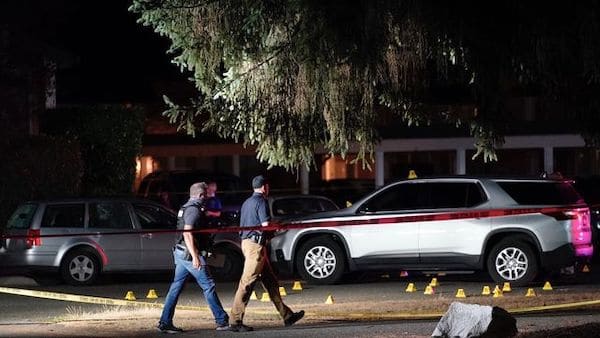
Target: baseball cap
x=258, y=181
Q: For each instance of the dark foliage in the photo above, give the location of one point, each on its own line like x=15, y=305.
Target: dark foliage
x=110, y=138
x=36, y=168
x=289, y=76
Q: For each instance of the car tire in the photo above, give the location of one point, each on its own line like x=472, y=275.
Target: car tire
x=320, y=260
x=80, y=267
x=514, y=261
x=232, y=267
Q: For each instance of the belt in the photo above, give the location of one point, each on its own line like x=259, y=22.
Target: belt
x=258, y=239
x=202, y=253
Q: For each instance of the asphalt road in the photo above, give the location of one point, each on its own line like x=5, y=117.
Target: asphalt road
x=367, y=288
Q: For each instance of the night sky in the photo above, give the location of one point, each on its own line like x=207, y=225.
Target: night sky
x=106, y=56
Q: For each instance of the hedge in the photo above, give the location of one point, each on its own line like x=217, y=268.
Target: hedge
x=37, y=167
x=110, y=138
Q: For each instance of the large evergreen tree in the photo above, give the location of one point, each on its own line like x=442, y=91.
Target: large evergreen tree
x=291, y=75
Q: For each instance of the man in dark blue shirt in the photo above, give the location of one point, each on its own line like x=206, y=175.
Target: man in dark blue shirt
x=255, y=212
x=213, y=203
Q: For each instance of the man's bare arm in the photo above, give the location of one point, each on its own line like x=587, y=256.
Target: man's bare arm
x=188, y=238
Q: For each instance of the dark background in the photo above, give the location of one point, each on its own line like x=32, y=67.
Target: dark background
x=103, y=55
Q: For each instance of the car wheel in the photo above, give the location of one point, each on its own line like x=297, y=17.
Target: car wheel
x=80, y=267
x=232, y=266
x=320, y=260
x=512, y=261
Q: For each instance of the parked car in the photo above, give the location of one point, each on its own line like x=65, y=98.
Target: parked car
x=89, y=251
x=511, y=246
x=80, y=258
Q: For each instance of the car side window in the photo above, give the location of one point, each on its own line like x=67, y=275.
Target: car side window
x=402, y=196
x=64, y=216
x=327, y=205
x=112, y=215
x=296, y=206
x=444, y=195
x=154, y=217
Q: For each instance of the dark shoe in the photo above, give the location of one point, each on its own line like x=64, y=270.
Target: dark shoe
x=296, y=316
x=241, y=328
x=224, y=327
x=168, y=328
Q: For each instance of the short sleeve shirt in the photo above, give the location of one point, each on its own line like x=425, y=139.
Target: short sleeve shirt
x=254, y=212
x=213, y=204
x=192, y=215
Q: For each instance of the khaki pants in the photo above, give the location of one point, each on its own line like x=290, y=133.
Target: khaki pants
x=256, y=265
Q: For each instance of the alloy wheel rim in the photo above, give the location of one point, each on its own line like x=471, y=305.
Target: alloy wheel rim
x=512, y=263
x=320, y=262
x=81, y=268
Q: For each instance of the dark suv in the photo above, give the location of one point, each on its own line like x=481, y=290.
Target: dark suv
x=171, y=189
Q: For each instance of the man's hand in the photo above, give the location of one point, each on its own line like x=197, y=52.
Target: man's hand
x=196, y=262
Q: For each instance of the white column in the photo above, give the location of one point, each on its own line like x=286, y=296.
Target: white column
x=304, y=180
x=461, y=162
x=235, y=165
x=379, y=169
x=549, y=160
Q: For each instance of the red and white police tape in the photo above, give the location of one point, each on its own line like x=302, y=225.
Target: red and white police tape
x=353, y=220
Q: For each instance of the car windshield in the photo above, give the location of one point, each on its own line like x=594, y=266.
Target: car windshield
x=21, y=218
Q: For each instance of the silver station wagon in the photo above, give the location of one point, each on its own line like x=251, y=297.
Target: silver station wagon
x=87, y=251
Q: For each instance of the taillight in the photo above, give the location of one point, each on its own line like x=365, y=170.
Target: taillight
x=33, y=238
x=581, y=231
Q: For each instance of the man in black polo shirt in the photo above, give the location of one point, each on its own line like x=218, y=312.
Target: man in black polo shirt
x=255, y=213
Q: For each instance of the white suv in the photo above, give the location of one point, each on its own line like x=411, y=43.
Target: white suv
x=512, y=227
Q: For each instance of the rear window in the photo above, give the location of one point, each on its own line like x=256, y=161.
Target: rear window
x=21, y=218
x=542, y=193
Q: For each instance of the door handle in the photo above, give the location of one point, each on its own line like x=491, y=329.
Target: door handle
x=148, y=235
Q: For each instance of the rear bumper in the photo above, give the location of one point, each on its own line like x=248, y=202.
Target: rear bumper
x=27, y=258
x=561, y=257
x=280, y=264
